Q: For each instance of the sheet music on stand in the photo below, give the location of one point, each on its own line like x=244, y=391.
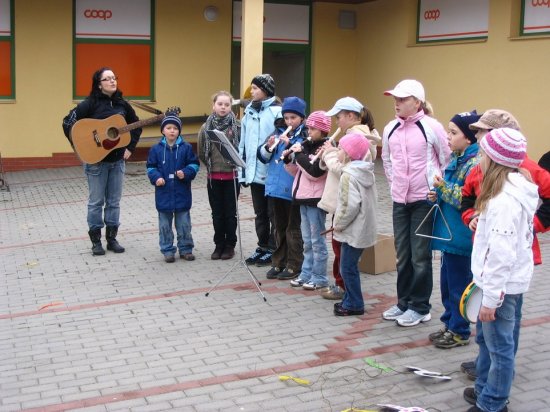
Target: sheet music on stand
x=232, y=156
x=227, y=150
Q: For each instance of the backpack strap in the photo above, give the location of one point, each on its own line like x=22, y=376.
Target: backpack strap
x=418, y=123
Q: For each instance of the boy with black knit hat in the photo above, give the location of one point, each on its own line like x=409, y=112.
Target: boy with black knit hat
x=171, y=166
x=256, y=126
x=288, y=257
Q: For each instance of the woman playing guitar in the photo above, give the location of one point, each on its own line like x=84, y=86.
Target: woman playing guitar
x=105, y=177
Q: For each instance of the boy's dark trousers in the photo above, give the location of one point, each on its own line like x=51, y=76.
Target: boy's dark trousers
x=262, y=210
x=221, y=195
x=288, y=235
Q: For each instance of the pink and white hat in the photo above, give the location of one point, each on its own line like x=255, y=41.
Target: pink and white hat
x=505, y=146
x=319, y=120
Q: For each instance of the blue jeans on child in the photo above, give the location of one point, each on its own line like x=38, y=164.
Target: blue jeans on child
x=183, y=230
x=497, y=347
x=314, y=266
x=349, y=259
x=105, y=181
x=455, y=277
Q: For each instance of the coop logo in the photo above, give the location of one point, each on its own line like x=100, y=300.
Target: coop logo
x=98, y=14
x=540, y=3
x=434, y=14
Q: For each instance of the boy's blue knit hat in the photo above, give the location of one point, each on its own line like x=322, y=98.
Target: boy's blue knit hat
x=294, y=105
x=171, y=119
x=463, y=122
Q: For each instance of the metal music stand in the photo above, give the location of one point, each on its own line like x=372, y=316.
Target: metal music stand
x=232, y=156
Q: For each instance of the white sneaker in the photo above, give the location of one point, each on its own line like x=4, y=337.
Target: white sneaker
x=412, y=318
x=392, y=313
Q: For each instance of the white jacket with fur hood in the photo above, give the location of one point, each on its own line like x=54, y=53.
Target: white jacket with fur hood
x=355, y=216
x=330, y=162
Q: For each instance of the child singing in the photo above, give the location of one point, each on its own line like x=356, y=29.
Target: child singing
x=221, y=175
x=171, y=166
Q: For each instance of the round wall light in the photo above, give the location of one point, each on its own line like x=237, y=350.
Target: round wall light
x=211, y=13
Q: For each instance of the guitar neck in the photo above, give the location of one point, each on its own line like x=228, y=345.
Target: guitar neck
x=141, y=123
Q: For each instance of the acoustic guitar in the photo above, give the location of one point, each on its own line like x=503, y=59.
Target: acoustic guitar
x=94, y=139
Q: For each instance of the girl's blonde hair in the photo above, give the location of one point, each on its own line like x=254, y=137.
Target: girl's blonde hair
x=493, y=181
x=222, y=93
x=428, y=108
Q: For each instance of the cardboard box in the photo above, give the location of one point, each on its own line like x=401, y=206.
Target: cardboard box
x=379, y=258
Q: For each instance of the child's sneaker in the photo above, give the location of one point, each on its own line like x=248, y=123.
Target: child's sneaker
x=312, y=286
x=297, y=283
x=333, y=292
x=169, y=258
x=412, y=318
x=392, y=313
x=273, y=273
x=437, y=335
x=450, y=340
x=288, y=274
x=253, y=258
x=264, y=260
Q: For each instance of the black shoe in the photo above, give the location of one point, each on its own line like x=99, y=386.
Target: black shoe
x=340, y=311
x=288, y=274
x=264, y=260
x=469, y=368
x=254, y=256
x=95, y=237
x=273, y=273
x=112, y=244
x=476, y=409
x=470, y=395
x=169, y=258
x=228, y=253
x=217, y=253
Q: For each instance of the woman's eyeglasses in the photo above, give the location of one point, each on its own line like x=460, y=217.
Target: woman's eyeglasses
x=109, y=79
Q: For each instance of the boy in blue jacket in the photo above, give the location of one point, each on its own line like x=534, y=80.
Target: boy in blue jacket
x=287, y=258
x=171, y=166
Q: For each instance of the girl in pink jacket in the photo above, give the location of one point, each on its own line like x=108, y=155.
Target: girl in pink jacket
x=414, y=151
x=309, y=183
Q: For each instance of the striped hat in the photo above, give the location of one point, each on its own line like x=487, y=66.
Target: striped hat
x=171, y=119
x=505, y=146
x=319, y=120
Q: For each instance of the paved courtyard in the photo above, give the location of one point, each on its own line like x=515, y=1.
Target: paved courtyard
x=129, y=332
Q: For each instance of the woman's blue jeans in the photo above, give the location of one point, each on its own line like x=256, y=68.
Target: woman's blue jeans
x=497, y=342
x=349, y=259
x=314, y=266
x=183, y=230
x=105, y=180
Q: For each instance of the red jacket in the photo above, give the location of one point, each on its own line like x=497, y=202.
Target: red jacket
x=540, y=177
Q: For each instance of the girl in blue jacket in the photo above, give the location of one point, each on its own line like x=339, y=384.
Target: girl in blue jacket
x=171, y=166
x=455, y=253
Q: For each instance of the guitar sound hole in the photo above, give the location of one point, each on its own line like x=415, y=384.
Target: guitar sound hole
x=112, y=133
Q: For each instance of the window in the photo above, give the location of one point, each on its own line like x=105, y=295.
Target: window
x=116, y=34
x=7, y=60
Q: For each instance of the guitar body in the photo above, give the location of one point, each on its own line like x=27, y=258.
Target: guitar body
x=94, y=139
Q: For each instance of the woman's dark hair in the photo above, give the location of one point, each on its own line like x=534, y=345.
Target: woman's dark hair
x=95, y=92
